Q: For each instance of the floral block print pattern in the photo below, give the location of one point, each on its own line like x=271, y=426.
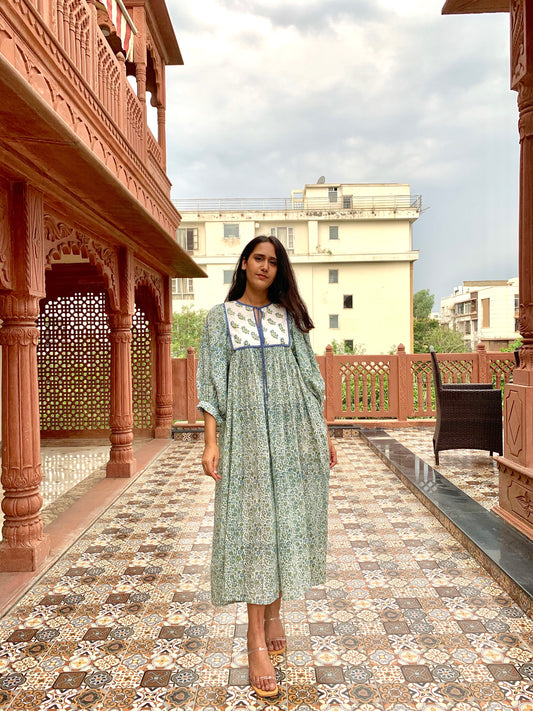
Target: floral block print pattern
x=270, y=531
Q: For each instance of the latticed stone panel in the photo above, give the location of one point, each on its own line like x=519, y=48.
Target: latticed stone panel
x=456, y=371
x=74, y=357
x=452, y=371
x=141, y=370
x=501, y=371
x=423, y=396
x=365, y=389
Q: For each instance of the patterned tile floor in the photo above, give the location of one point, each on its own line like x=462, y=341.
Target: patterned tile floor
x=407, y=619
x=473, y=471
x=70, y=469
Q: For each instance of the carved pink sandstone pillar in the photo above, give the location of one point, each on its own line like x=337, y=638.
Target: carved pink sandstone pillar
x=161, y=134
x=121, y=458
x=24, y=545
x=516, y=466
x=163, y=414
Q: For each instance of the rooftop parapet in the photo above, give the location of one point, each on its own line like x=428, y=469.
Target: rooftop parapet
x=346, y=205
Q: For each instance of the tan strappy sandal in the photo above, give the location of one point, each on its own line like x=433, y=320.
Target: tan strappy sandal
x=273, y=652
x=261, y=692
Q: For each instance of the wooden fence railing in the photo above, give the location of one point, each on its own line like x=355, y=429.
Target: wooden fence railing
x=363, y=387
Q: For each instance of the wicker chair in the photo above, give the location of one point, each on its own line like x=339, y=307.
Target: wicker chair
x=469, y=415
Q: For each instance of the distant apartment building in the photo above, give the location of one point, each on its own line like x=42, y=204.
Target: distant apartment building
x=484, y=312
x=350, y=246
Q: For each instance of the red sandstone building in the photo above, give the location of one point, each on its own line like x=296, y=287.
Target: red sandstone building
x=87, y=240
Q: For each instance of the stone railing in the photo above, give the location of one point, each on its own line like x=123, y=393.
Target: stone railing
x=396, y=387
x=58, y=48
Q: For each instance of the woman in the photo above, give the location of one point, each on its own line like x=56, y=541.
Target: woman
x=258, y=380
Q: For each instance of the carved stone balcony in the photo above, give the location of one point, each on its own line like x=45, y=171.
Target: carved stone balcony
x=69, y=114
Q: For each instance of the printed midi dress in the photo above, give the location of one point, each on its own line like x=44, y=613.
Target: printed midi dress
x=258, y=377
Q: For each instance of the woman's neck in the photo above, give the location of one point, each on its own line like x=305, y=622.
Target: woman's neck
x=255, y=298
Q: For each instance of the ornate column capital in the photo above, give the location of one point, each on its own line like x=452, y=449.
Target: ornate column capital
x=19, y=307
x=120, y=321
x=164, y=332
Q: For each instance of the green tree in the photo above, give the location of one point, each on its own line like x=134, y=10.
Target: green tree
x=423, y=330
x=429, y=332
x=447, y=341
x=513, y=346
x=422, y=303
x=187, y=327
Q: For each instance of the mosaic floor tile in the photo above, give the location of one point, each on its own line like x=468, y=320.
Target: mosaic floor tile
x=407, y=619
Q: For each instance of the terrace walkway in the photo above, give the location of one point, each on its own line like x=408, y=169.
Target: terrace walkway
x=407, y=619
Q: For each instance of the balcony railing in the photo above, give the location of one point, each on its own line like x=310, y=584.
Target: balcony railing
x=371, y=387
x=345, y=204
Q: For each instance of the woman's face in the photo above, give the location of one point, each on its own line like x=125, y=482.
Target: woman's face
x=261, y=266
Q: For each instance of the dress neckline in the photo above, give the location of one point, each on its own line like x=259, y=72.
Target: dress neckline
x=253, y=307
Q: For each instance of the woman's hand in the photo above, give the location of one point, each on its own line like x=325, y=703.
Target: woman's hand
x=332, y=454
x=210, y=460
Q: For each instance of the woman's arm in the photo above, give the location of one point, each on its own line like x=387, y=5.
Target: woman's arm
x=332, y=450
x=211, y=453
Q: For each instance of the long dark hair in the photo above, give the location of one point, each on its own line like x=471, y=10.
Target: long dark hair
x=283, y=290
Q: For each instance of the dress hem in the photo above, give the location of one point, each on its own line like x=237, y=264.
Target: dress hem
x=285, y=596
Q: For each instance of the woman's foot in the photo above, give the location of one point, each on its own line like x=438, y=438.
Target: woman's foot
x=262, y=673
x=274, y=635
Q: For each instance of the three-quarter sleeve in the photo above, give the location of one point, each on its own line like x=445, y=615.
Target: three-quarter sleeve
x=213, y=360
x=305, y=357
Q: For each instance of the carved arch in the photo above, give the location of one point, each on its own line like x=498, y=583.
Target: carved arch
x=153, y=282
x=61, y=238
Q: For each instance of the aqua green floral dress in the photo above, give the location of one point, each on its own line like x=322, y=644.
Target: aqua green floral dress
x=258, y=377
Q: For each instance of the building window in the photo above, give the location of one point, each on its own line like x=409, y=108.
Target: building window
x=332, y=194
x=348, y=346
x=516, y=302
x=183, y=288
x=188, y=238
x=347, y=202
x=474, y=326
x=334, y=320
x=231, y=231
x=516, y=325
x=333, y=232
x=485, y=318
x=333, y=276
x=348, y=301
x=228, y=276
x=285, y=236
x=468, y=328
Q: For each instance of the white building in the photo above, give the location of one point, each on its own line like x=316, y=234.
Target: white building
x=484, y=312
x=350, y=246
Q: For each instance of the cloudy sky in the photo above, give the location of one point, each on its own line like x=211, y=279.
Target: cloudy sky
x=275, y=93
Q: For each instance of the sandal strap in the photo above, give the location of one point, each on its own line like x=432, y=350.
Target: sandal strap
x=258, y=678
x=271, y=619
x=258, y=649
